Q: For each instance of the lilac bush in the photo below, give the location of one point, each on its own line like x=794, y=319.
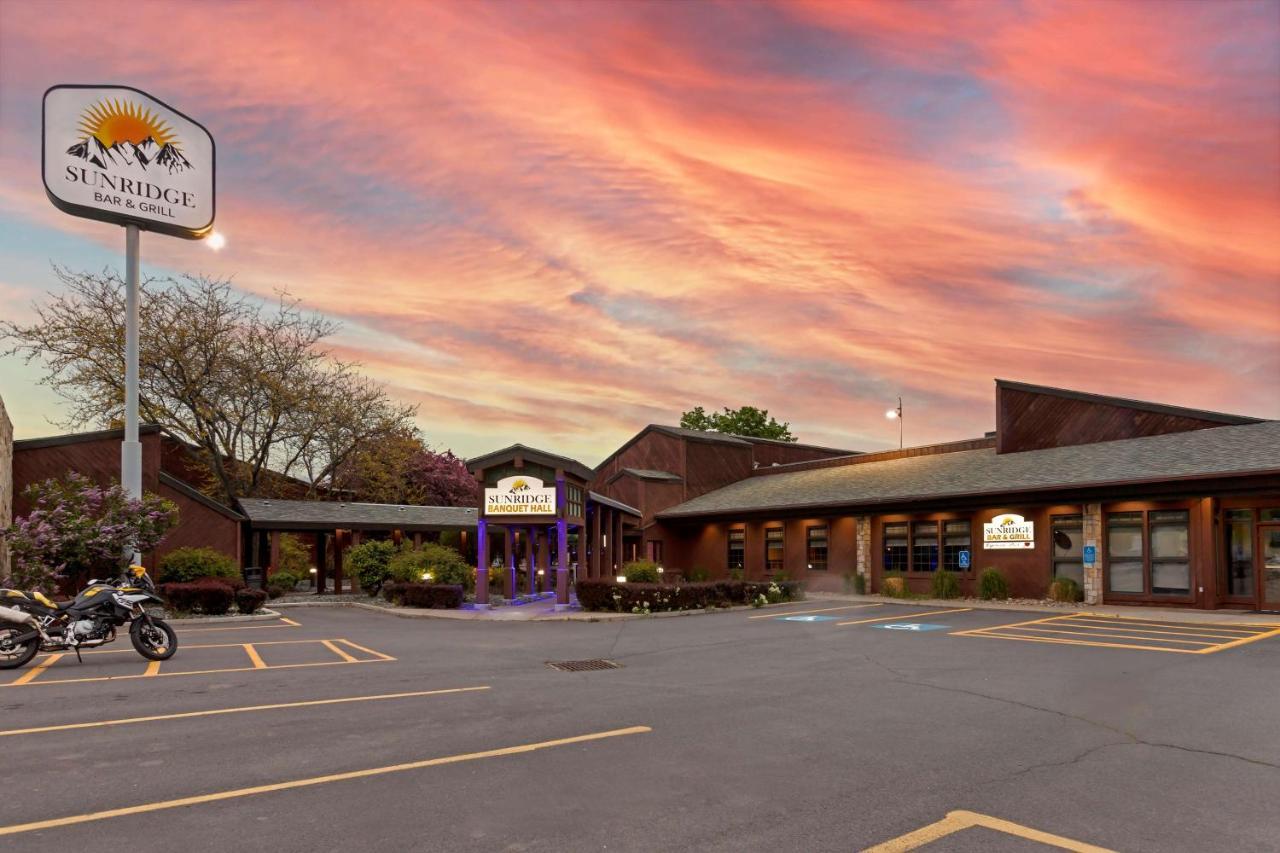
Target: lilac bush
x=76, y=527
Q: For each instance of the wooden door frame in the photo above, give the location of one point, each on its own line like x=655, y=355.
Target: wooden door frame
x=1259, y=566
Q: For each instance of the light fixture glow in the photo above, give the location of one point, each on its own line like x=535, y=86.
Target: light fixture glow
x=621, y=578
x=891, y=414
x=215, y=240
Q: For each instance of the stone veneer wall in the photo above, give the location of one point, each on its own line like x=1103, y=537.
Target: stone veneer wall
x=1093, y=571
x=863, y=556
x=6, y=485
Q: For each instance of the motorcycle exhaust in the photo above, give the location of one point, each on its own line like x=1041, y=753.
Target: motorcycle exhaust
x=17, y=617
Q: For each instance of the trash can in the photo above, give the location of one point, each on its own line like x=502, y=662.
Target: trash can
x=253, y=577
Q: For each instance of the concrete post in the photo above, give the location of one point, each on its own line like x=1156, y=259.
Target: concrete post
x=1093, y=535
x=862, y=555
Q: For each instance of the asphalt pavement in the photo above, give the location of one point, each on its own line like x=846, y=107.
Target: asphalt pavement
x=833, y=730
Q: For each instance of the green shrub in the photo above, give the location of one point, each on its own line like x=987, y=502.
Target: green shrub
x=698, y=575
x=442, y=563
x=991, y=584
x=894, y=585
x=183, y=565
x=1066, y=589
x=860, y=584
x=945, y=584
x=641, y=597
x=436, y=596
x=209, y=596
x=736, y=574
x=282, y=582
x=370, y=562
x=294, y=556
x=641, y=571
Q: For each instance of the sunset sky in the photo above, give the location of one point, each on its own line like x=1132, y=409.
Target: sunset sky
x=555, y=223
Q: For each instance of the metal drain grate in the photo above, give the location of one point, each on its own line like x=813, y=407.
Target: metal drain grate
x=583, y=665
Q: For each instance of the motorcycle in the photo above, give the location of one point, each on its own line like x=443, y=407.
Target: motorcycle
x=31, y=622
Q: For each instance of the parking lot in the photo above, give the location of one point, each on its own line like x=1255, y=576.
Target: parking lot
x=824, y=725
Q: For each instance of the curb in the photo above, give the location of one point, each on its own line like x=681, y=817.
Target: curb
x=263, y=615
x=585, y=615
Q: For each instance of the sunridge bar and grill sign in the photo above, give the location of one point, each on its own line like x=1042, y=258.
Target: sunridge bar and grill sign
x=116, y=154
x=1008, y=531
x=520, y=496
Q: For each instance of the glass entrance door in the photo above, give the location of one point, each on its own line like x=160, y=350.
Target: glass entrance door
x=1269, y=565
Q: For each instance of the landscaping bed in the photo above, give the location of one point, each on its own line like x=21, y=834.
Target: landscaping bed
x=605, y=595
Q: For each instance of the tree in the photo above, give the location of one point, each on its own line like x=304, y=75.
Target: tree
x=400, y=468
x=78, y=529
x=253, y=389
x=747, y=420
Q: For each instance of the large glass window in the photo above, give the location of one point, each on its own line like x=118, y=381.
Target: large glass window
x=1068, y=547
x=955, y=540
x=773, y=549
x=1239, y=559
x=737, y=550
x=895, y=547
x=816, y=548
x=1125, y=552
x=1170, y=552
x=924, y=546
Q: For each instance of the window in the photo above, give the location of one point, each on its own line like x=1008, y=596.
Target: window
x=737, y=550
x=1149, y=552
x=655, y=551
x=924, y=546
x=1170, y=552
x=773, y=549
x=574, y=510
x=1239, y=561
x=1068, y=547
x=895, y=547
x=816, y=551
x=955, y=539
x=1124, y=552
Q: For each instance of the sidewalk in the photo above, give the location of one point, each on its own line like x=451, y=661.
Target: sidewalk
x=1158, y=614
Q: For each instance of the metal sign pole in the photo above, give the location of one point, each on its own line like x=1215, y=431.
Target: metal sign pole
x=131, y=449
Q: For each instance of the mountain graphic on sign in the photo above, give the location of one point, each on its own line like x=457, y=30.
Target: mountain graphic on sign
x=145, y=155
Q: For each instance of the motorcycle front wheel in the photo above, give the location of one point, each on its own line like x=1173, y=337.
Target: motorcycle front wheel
x=153, y=639
x=14, y=655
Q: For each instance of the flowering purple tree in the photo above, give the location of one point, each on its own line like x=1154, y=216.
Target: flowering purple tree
x=76, y=527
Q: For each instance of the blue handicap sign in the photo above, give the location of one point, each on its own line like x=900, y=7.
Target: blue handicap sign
x=1091, y=553
x=911, y=626
x=806, y=618
x=964, y=559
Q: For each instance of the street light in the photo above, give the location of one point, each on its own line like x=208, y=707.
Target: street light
x=896, y=415
x=215, y=241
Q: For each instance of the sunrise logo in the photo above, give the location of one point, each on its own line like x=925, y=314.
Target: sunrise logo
x=519, y=486
x=120, y=135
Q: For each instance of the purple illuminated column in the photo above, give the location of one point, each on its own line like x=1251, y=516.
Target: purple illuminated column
x=562, y=547
x=482, y=562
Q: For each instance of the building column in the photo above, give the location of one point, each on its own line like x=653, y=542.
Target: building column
x=544, y=559
x=482, y=563
x=509, y=561
x=417, y=541
x=562, y=548
x=862, y=551
x=1092, y=530
x=355, y=540
x=531, y=583
x=619, y=547
x=593, y=541
x=274, y=561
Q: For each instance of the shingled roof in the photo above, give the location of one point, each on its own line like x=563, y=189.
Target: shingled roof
x=271, y=514
x=1220, y=451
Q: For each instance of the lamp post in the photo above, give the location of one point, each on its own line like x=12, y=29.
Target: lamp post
x=896, y=415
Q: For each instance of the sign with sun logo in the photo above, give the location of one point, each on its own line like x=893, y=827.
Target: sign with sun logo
x=116, y=154
x=520, y=496
x=1008, y=531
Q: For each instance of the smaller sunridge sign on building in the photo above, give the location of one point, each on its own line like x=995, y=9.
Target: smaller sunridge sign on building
x=116, y=154
x=1007, y=531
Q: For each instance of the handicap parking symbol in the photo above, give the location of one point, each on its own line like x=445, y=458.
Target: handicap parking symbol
x=807, y=618
x=911, y=626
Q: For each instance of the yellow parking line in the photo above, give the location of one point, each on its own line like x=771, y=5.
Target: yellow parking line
x=823, y=610
x=1242, y=641
x=1109, y=616
x=153, y=668
x=958, y=821
x=368, y=651
x=1066, y=642
x=36, y=671
x=211, y=646
x=1088, y=627
x=903, y=617
x=328, y=644
x=1142, y=626
x=242, y=710
x=196, y=672
x=15, y=829
x=290, y=621
x=1110, y=636
x=1010, y=625
x=254, y=657
x=185, y=631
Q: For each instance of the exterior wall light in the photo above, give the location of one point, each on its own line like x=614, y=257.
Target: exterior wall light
x=659, y=569
x=541, y=572
x=313, y=570
x=426, y=576
x=621, y=578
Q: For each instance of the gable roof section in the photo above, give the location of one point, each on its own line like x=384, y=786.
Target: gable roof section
x=542, y=457
x=711, y=437
x=198, y=496
x=648, y=474
x=1251, y=449
x=1124, y=403
x=610, y=502
x=271, y=514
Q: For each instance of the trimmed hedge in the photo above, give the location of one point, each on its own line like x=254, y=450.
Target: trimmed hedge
x=992, y=585
x=641, y=571
x=184, y=565
x=1066, y=589
x=282, y=582
x=249, y=600
x=628, y=597
x=209, y=596
x=945, y=584
x=894, y=585
x=435, y=596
